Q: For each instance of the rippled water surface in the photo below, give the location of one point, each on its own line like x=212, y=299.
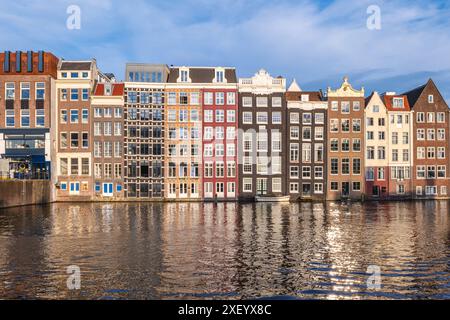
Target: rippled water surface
x=226, y=251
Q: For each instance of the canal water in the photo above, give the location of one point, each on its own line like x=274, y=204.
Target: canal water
x=226, y=251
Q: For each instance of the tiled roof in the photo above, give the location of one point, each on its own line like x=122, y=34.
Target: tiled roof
x=117, y=89
x=414, y=95
x=202, y=75
x=297, y=96
x=389, y=102
x=81, y=66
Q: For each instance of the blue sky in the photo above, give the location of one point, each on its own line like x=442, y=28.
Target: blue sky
x=316, y=42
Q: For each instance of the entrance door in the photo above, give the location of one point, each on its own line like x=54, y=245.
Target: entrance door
x=107, y=189
x=306, y=190
x=345, y=189
x=261, y=186
x=74, y=188
x=376, y=191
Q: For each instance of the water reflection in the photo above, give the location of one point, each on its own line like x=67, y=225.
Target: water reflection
x=226, y=250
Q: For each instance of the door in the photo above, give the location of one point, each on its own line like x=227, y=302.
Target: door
x=107, y=189
x=74, y=188
x=345, y=189
x=306, y=190
x=261, y=186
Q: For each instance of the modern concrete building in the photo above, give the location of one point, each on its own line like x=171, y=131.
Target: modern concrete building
x=107, y=104
x=431, y=141
x=306, y=136
x=144, y=131
x=27, y=81
x=346, y=147
x=262, y=128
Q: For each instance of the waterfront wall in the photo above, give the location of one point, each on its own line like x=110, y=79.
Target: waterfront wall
x=24, y=192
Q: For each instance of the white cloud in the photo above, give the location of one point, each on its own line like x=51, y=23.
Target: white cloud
x=299, y=39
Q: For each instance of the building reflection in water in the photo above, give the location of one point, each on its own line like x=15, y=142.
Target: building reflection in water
x=225, y=250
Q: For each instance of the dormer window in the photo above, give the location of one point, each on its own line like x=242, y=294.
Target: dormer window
x=219, y=76
x=398, y=103
x=184, y=76
x=85, y=75
x=430, y=98
x=107, y=89
x=305, y=97
x=74, y=74
x=63, y=74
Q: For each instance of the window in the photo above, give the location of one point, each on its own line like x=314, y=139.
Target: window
x=370, y=174
x=318, y=172
x=356, y=145
x=294, y=117
x=74, y=166
x=73, y=94
x=276, y=117
x=420, y=117
x=430, y=117
x=334, y=145
x=334, y=186
x=345, y=166
x=430, y=98
x=405, y=138
x=184, y=75
x=356, y=186
x=261, y=101
x=231, y=98
x=380, y=174
x=208, y=116
x=356, y=166
x=117, y=149
x=107, y=129
x=183, y=98
x=276, y=102
x=319, y=118
x=220, y=98
x=25, y=91
x=231, y=169
x=208, y=97
x=231, y=133
x=307, y=119
x=73, y=116
x=74, y=142
x=63, y=166
x=306, y=133
x=420, y=172
x=63, y=140
x=10, y=120
x=247, y=165
x=85, y=94
x=334, y=106
x=276, y=141
x=306, y=172
x=247, y=184
x=97, y=149
x=431, y=153
x=247, y=142
x=172, y=98
x=247, y=118
x=440, y=117
x=85, y=140
x=356, y=125
x=398, y=102
x=220, y=116
x=441, y=172
x=117, y=129
x=295, y=133
x=334, y=166
x=24, y=118
x=85, y=166
x=441, y=152
x=247, y=101
x=231, y=116
x=261, y=118
x=294, y=152
x=10, y=91
x=318, y=153
x=420, y=134
x=381, y=153
x=345, y=107
x=334, y=125
x=431, y=134
x=431, y=172
x=441, y=134
x=40, y=118
x=345, y=125
x=84, y=116
x=370, y=153
x=195, y=98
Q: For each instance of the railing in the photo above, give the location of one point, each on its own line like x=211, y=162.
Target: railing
x=14, y=175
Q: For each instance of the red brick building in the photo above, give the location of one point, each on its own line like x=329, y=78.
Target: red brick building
x=27, y=81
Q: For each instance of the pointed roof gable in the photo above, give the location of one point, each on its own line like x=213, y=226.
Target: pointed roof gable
x=414, y=94
x=294, y=87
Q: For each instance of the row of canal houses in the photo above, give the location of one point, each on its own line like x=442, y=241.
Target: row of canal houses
x=200, y=133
